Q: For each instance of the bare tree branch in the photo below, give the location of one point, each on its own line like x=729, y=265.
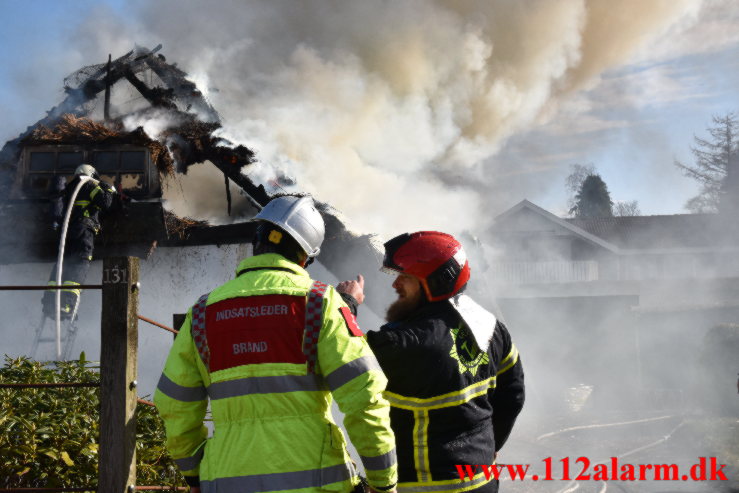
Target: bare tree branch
x=712, y=157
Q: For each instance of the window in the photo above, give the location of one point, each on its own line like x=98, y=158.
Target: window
x=44, y=166
x=133, y=160
x=125, y=167
x=105, y=161
x=68, y=161
x=42, y=161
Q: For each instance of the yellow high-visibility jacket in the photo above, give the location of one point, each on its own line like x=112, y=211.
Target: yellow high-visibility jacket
x=245, y=348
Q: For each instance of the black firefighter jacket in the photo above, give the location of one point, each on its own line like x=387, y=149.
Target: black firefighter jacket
x=451, y=403
x=90, y=201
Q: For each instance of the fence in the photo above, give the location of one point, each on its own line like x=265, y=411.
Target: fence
x=118, y=367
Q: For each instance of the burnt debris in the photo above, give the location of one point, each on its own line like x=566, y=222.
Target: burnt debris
x=88, y=125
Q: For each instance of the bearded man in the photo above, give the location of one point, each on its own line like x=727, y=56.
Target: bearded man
x=455, y=380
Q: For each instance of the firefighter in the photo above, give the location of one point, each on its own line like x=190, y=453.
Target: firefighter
x=459, y=401
x=269, y=349
x=94, y=197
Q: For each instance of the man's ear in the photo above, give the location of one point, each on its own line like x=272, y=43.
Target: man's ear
x=304, y=260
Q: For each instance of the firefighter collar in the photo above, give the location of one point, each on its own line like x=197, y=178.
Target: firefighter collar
x=266, y=260
x=480, y=321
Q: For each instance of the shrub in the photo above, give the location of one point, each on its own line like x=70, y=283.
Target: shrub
x=49, y=436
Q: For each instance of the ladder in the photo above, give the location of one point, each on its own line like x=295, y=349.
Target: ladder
x=69, y=333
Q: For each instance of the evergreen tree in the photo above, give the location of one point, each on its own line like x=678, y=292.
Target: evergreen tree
x=578, y=173
x=593, y=199
x=712, y=158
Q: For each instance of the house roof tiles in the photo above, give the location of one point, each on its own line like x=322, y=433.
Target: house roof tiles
x=655, y=232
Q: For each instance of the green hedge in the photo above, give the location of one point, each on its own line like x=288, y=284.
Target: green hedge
x=49, y=437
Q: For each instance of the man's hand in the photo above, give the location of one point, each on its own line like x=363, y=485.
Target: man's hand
x=353, y=288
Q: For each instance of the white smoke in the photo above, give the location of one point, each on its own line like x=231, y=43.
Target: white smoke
x=154, y=122
x=365, y=103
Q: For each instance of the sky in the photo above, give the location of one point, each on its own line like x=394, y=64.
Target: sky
x=450, y=112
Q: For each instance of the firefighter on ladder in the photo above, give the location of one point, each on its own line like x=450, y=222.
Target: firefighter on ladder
x=94, y=197
x=269, y=349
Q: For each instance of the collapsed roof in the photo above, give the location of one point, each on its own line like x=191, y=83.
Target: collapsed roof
x=187, y=136
x=190, y=120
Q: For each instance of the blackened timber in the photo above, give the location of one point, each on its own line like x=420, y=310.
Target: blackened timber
x=227, y=234
x=106, y=108
x=93, y=87
x=228, y=194
x=184, y=90
x=230, y=161
x=157, y=96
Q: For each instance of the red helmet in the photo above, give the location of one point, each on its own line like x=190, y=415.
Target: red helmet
x=436, y=259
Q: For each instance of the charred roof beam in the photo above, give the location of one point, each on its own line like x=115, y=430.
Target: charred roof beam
x=157, y=96
x=185, y=90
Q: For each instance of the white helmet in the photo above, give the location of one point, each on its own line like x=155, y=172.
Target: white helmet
x=87, y=170
x=299, y=218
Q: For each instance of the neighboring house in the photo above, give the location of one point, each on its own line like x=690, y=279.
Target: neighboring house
x=633, y=295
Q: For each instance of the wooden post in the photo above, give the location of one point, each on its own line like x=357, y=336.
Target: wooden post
x=118, y=393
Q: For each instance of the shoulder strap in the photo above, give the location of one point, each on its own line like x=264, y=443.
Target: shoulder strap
x=198, y=330
x=313, y=323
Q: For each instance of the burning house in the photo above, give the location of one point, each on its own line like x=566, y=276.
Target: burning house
x=142, y=124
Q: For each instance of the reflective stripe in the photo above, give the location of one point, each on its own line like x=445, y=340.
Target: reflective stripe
x=447, y=400
x=264, y=385
x=197, y=330
x=189, y=463
x=96, y=191
x=351, y=370
x=313, y=323
x=82, y=203
x=446, y=486
x=420, y=446
x=75, y=292
x=311, y=478
x=506, y=364
x=179, y=392
x=380, y=462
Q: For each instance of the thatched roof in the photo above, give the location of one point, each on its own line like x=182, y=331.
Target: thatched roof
x=74, y=130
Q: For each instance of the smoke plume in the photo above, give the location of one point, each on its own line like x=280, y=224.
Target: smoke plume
x=361, y=100
x=365, y=102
